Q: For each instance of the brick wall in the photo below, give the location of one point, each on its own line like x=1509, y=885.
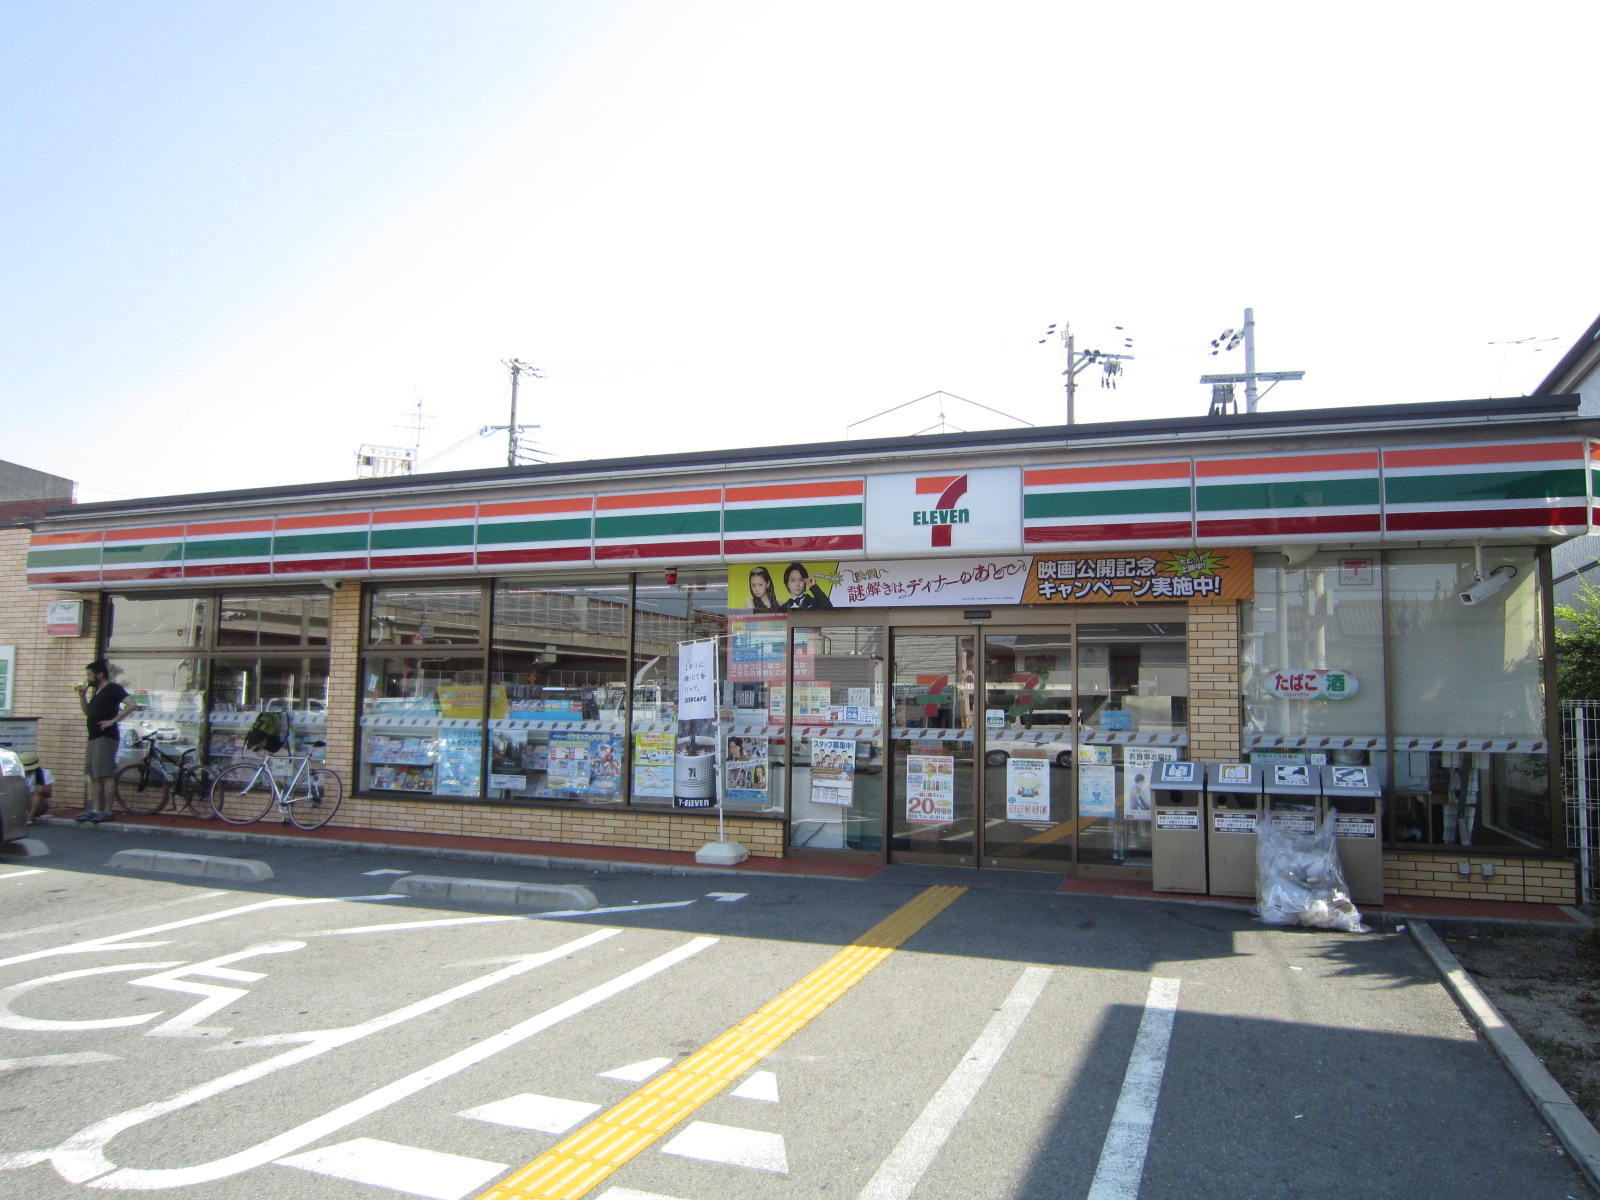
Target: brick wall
x=344, y=667
x=46, y=666
x=1214, y=680
x=1526, y=880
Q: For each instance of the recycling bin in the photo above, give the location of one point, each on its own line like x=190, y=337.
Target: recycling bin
x=1233, y=806
x=1294, y=795
x=1177, y=835
x=1355, y=793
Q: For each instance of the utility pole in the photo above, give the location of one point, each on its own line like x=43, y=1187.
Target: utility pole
x=518, y=368
x=1222, y=385
x=1077, y=363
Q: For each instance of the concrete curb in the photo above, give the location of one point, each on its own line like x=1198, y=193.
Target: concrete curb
x=170, y=862
x=497, y=891
x=1564, y=1117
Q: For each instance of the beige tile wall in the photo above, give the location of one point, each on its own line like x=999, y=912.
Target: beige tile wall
x=1214, y=680
x=1525, y=880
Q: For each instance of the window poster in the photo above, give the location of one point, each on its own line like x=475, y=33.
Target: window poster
x=833, y=770
x=1027, y=789
x=1097, y=790
x=587, y=763
x=812, y=703
x=508, y=749
x=746, y=768
x=653, y=756
x=1138, y=776
x=931, y=788
x=1094, y=756
x=460, y=753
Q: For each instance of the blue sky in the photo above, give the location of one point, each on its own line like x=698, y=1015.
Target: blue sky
x=243, y=238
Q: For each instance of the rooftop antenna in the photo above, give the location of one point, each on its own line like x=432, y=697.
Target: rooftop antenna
x=1222, y=398
x=1077, y=361
x=942, y=425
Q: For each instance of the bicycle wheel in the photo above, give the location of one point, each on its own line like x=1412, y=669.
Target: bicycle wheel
x=242, y=794
x=315, y=801
x=138, y=789
x=194, y=792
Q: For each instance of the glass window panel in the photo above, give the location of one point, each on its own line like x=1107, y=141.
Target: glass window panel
x=422, y=725
x=269, y=621
x=242, y=688
x=1132, y=677
x=837, y=778
x=1324, y=615
x=932, y=723
x=155, y=622
x=432, y=616
x=558, y=673
x=170, y=695
x=1028, y=718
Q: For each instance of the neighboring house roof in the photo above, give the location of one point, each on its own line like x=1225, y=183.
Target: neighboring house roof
x=1575, y=366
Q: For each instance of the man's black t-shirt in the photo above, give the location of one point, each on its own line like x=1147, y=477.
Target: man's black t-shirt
x=104, y=706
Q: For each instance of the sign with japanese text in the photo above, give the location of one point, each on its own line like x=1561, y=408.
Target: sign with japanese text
x=1312, y=685
x=756, y=647
x=1165, y=576
x=63, y=618
x=926, y=581
x=697, y=680
x=930, y=789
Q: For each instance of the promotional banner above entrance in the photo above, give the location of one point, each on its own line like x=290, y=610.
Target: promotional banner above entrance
x=1157, y=576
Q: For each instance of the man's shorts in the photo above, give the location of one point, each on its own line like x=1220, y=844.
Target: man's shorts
x=100, y=758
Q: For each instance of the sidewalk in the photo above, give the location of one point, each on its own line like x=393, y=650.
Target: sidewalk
x=1395, y=909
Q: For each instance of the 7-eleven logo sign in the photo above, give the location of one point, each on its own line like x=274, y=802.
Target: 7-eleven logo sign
x=946, y=510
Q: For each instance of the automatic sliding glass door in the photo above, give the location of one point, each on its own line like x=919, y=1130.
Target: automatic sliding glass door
x=934, y=728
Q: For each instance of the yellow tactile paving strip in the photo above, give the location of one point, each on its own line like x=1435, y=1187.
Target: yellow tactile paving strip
x=581, y=1162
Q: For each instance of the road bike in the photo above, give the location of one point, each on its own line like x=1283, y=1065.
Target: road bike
x=308, y=797
x=161, y=778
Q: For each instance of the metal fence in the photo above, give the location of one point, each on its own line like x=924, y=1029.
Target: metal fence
x=1580, y=747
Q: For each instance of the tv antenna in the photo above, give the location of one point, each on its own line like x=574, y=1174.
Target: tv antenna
x=943, y=424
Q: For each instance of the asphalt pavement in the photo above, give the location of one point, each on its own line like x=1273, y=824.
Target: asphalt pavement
x=314, y=1035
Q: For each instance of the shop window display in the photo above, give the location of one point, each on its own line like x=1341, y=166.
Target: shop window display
x=170, y=693
x=422, y=725
x=243, y=688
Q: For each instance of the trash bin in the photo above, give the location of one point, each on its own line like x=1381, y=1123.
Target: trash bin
x=1294, y=795
x=1177, y=836
x=1233, y=806
x=1356, y=794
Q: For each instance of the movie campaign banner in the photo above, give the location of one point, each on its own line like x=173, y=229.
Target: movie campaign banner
x=1087, y=577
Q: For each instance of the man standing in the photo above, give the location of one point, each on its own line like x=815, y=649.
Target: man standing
x=104, y=704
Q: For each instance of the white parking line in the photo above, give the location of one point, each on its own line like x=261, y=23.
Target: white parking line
x=1127, y=1142
x=900, y=1173
x=395, y=925
x=82, y=1058
x=431, y=1174
x=20, y=874
x=81, y=1158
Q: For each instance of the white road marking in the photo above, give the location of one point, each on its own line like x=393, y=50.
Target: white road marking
x=386, y=871
x=212, y=997
x=14, y=1020
x=408, y=1169
x=121, y=912
x=621, y=1193
x=81, y=1157
x=637, y=1072
x=762, y=1085
x=20, y=874
x=119, y=941
x=542, y=1114
x=900, y=1173
x=81, y=1059
x=411, y=925
x=1122, y=1157
x=621, y=908
x=726, y=897
x=729, y=1144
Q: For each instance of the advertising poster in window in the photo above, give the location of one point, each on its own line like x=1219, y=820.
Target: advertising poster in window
x=1138, y=776
x=812, y=703
x=1027, y=789
x=465, y=701
x=589, y=764
x=507, y=751
x=1141, y=576
x=931, y=788
x=460, y=752
x=756, y=646
x=778, y=587
x=1097, y=791
x=746, y=769
x=653, y=756
x=833, y=770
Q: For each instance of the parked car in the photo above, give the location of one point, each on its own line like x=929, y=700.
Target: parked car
x=13, y=797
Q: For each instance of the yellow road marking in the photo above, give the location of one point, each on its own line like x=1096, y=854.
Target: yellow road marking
x=579, y=1163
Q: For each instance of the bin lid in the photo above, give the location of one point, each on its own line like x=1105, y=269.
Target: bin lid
x=1293, y=779
x=1179, y=775
x=1244, y=778
x=1350, y=781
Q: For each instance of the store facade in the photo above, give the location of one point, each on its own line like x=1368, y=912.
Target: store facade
x=962, y=649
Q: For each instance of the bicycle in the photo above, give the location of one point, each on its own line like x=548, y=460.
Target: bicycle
x=246, y=792
x=149, y=785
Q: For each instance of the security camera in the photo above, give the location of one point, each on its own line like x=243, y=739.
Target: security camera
x=333, y=585
x=1488, y=585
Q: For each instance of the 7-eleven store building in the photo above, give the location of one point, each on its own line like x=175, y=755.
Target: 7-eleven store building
x=960, y=649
